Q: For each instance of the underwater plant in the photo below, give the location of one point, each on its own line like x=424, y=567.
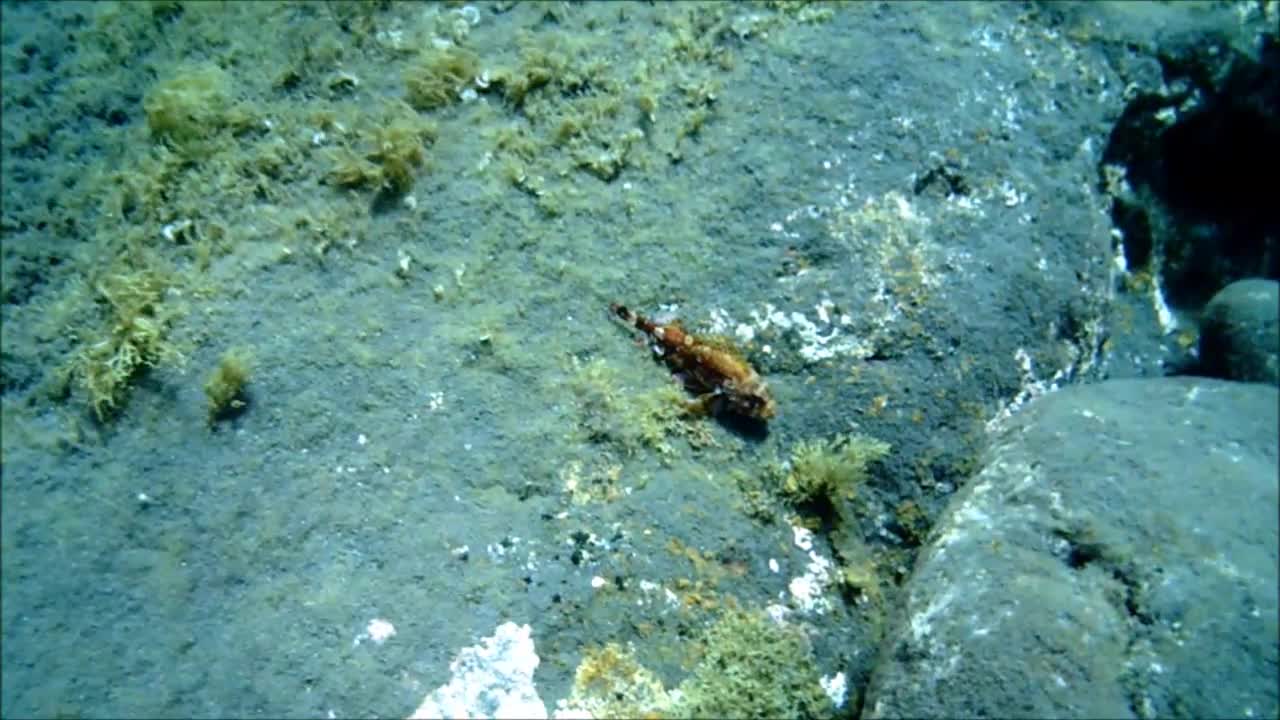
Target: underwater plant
x=826, y=471
x=135, y=337
x=226, y=385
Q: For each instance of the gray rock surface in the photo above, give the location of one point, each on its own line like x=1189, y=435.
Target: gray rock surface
x=1115, y=558
x=1240, y=332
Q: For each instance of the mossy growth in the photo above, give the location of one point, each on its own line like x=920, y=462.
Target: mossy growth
x=439, y=76
x=398, y=151
x=827, y=472
x=603, y=408
x=352, y=170
x=610, y=683
x=394, y=150
x=753, y=667
x=540, y=65
x=137, y=324
x=859, y=575
x=598, y=479
x=226, y=386
x=912, y=524
x=188, y=109
x=632, y=421
x=756, y=497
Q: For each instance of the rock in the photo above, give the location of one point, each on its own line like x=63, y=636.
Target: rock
x=1240, y=332
x=1116, y=557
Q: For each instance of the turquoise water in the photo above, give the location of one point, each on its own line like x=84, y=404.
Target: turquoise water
x=443, y=429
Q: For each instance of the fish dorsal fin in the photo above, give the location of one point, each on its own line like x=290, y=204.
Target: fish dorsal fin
x=724, y=344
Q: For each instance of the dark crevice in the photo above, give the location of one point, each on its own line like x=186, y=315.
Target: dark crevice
x=1200, y=164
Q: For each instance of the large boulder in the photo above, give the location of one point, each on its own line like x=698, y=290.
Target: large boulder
x=1117, y=557
x=1240, y=332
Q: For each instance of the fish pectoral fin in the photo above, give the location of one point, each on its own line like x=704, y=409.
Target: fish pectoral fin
x=703, y=405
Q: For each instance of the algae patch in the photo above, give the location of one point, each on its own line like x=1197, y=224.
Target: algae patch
x=133, y=338
x=754, y=667
x=750, y=667
x=191, y=107
x=829, y=471
x=226, y=385
x=393, y=150
x=609, y=414
x=610, y=683
x=439, y=77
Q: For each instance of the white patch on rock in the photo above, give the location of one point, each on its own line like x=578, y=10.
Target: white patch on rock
x=835, y=687
x=807, y=591
x=492, y=679
x=803, y=537
x=378, y=630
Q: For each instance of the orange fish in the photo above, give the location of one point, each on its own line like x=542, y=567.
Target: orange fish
x=711, y=368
